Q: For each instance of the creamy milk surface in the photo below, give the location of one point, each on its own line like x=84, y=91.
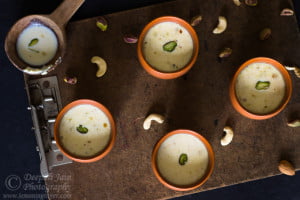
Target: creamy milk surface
x=260, y=101
x=159, y=35
x=37, y=44
x=168, y=159
x=94, y=140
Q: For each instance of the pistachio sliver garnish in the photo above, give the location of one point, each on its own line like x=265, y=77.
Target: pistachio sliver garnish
x=170, y=46
x=33, y=42
x=183, y=158
x=262, y=85
x=36, y=51
x=82, y=129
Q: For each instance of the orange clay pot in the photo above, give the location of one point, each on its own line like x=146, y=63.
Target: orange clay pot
x=209, y=170
x=109, y=146
x=168, y=75
x=288, y=91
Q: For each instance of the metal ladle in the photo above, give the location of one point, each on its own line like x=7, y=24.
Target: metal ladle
x=56, y=21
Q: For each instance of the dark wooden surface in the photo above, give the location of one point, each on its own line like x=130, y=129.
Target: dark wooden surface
x=198, y=101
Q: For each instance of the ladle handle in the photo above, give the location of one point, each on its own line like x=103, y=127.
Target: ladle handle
x=65, y=11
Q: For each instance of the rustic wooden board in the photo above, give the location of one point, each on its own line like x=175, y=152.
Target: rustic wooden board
x=198, y=101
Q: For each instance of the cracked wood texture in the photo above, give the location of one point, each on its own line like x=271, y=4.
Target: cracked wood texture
x=198, y=101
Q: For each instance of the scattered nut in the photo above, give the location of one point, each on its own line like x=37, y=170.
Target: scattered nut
x=286, y=168
x=101, y=23
x=262, y=85
x=265, y=34
x=237, y=2
x=227, y=138
x=70, y=80
x=153, y=117
x=295, y=69
x=102, y=66
x=222, y=25
x=225, y=53
x=130, y=39
x=170, y=46
x=251, y=2
x=294, y=123
x=287, y=12
x=196, y=20
x=289, y=68
x=297, y=72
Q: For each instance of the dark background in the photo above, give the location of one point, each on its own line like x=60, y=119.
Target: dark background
x=17, y=143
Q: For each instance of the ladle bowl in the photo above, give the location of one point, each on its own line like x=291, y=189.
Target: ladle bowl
x=56, y=22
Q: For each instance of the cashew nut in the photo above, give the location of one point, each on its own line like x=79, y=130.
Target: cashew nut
x=237, y=2
x=221, y=26
x=251, y=2
x=130, y=39
x=295, y=69
x=294, y=123
x=102, y=66
x=227, y=138
x=153, y=117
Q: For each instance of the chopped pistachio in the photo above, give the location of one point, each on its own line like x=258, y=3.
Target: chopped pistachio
x=33, y=42
x=170, y=46
x=262, y=85
x=82, y=129
x=251, y=2
x=70, y=80
x=265, y=34
x=237, y=2
x=102, y=23
x=183, y=158
x=225, y=53
x=130, y=39
x=196, y=20
x=287, y=12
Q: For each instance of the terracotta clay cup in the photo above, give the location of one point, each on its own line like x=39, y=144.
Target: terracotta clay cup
x=186, y=187
x=167, y=75
x=100, y=154
x=56, y=22
x=288, y=89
